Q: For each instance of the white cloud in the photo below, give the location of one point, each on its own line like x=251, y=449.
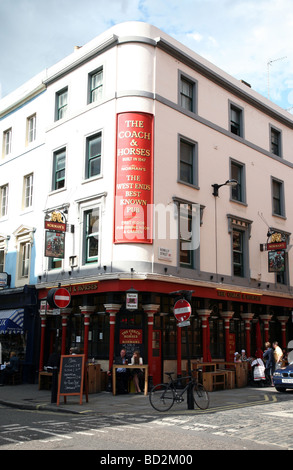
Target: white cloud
x=239, y=36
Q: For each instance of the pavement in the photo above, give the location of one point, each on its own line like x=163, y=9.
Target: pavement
x=29, y=397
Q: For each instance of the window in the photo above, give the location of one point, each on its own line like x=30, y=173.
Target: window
x=236, y=120
x=278, y=197
x=59, y=162
x=238, y=255
x=185, y=230
x=24, y=236
x=187, y=93
x=237, y=172
x=240, y=230
x=7, y=138
x=91, y=235
x=2, y=260
x=95, y=86
x=275, y=141
x=61, y=104
x=28, y=190
x=25, y=252
x=31, y=128
x=4, y=200
x=93, y=155
x=188, y=162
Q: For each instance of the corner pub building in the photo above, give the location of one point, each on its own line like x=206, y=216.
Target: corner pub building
x=140, y=143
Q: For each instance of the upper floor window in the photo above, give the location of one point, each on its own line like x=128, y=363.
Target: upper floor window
x=275, y=137
x=95, y=86
x=4, y=200
x=236, y=120
x=7, y=139
x=24, y=236
x=59, y=165
x=187, y=93
x=185, y=230
x=278, y=200
x=188, y=162
x=2, y=260
x=237, y=171
x=93, y=155
x=28, y=190
x=91, y=235
x=240, y=230
x=61, y=104
x=31, y=128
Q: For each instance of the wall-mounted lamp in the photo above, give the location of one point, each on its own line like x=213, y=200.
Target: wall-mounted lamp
x=228, y=183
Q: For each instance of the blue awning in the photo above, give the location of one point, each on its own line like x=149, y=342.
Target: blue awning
x=11, y=321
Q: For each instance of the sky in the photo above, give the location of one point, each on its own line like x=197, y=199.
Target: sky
x=249, y=39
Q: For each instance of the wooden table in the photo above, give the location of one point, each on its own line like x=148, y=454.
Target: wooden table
x=128, y=366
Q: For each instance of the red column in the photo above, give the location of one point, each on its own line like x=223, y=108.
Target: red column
x=247, y=317
x=86, y=311
x=283, y=320
x=42, y=347
x=227, y=317
x=64, y=313
x=266, y=320
x=112, y=309
x=204, y=315
x=150, y=310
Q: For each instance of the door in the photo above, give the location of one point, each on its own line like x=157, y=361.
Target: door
x=156, y=357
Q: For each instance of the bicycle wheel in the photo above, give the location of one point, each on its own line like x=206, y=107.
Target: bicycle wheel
x=201, y=396
x=162, y=397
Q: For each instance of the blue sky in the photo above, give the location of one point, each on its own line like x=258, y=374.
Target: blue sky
x=239, y=36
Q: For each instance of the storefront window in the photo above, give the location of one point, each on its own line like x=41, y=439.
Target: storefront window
x=12, y=342
x=99, y=336
x=217, y=342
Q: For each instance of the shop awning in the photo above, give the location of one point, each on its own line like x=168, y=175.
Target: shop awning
x=11, y=321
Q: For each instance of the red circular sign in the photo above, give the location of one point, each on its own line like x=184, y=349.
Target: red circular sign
x=61, y=298
x=182, y=310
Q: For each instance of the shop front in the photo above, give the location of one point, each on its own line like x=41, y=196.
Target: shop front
x=106, y=315
x=19, y=324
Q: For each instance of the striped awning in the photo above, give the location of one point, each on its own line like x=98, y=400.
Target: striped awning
x=11, y=321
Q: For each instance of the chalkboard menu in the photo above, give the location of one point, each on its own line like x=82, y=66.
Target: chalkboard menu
x=71, y=376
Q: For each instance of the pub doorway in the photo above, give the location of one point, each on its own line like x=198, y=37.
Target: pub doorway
x=130, y=333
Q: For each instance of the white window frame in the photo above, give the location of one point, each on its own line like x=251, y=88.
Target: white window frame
x=28, y=188
x=4, y=192
x=7, y=141
x=24, y=237
x=31, y=130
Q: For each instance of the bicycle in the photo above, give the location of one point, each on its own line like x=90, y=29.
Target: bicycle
x=163, y=396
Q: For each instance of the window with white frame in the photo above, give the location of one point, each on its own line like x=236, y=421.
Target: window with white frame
x=96, y=85
x=91, y=235
x=31, y=128
x=24, y=242
x=4, y=200
x=7, y=140
x=28, y=191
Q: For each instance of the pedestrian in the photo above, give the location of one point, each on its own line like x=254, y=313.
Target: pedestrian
x=237, y=357
x=278, y=355
x=269, y=362
x=11, y=368
x=243, y=355
x=258, y=370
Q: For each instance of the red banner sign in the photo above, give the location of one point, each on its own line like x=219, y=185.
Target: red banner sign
x=134, y=178
x=131, y=336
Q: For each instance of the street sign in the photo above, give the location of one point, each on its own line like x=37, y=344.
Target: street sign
x=182, y=310
x=183, y=323
x=62, y=298
x=59, y=298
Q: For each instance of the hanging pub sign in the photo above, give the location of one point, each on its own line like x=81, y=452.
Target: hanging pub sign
x=276, y=241
x=276, y=261
x=134, y=178
x=54, y=244
x=55, y=221
x=55, y=225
